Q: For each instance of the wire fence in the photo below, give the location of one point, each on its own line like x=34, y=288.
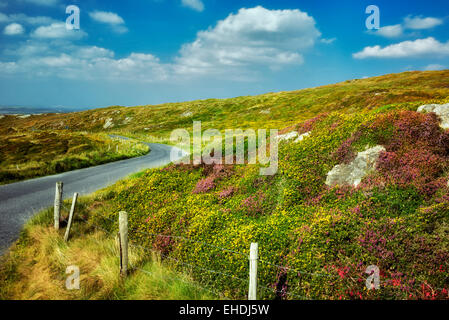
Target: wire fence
x=192, y=266
x=222, y=273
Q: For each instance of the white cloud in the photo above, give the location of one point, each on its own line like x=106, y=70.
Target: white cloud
x=57, y=30
x=24, y=19
x=58, y=61
x=106, y=17
x=405, y=49
x=255, y=36
x=409, y=23
x=237, y=47
x=419, y=23
x=43, y=2
x=390, y=31
x=13, y=29
x=93, y=52
x=110, y=18
x=197, y=5
x=38, y=20
x=434, y=67
x=328, y=41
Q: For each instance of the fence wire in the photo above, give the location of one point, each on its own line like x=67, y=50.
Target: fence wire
x=384, y=283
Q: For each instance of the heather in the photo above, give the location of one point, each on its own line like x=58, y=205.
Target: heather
x=315, y=241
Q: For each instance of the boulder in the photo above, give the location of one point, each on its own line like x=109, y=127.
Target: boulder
x=287, y=136
x=354, y=172
x=108, y=123
x=187, y=114
x=127, y=120
x=442, y=111
x=302, y=136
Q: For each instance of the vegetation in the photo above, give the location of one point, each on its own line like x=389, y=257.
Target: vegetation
x=322, y=238
x=271, y=110
x=315, y=241
x=31, y=154
x=35, y=267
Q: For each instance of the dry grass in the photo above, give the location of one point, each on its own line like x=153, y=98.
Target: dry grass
x=34, y=268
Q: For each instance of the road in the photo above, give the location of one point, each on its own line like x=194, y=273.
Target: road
x=21, y=200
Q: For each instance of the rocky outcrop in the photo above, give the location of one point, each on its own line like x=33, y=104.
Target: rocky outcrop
x=354, y=172
x=287, y=136
x=302, y=136
x=187, y=114
x=442, y=111
x=108, y=123
x=293, y=134
x=127, y=120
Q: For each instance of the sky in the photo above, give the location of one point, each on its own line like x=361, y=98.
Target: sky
x=144, y=52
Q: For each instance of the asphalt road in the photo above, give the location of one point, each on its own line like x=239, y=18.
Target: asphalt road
x=21, y=200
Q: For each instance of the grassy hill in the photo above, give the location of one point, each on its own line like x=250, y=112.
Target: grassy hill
x=315, y=241
x=271, y=110
x=34, y=153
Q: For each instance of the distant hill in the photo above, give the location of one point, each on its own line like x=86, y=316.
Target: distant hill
x=271, y=110
x=33, y=110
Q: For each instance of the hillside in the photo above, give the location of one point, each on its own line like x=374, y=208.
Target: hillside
x=271, y=110
x=29, y=154
x=316, y=238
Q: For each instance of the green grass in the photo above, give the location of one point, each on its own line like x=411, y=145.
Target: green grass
x=154, y=123
x=31, y=154
x=315, y=241
x=35, y=267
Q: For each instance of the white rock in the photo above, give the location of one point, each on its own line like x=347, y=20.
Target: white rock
x=267, y=111
x=442, y=111
x=287, y=136
x=187, y=114
x=24, y=116
x=108, y=123
x=302, y=136
x=127, y=120
x=1, y=116
x=353, y=173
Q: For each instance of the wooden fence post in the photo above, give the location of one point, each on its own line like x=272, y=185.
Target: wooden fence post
x=58, y=203
x=72, y=212
x=123, y=229
x=253, y=257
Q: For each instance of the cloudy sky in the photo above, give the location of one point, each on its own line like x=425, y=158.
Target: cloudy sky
x=153, y=51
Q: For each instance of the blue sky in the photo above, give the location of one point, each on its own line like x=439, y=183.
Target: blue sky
x=153, y=51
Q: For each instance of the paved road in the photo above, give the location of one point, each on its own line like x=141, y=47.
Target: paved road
x=21, y=200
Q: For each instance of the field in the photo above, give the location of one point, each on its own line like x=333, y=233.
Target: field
x=315, y=241
x=30, y=154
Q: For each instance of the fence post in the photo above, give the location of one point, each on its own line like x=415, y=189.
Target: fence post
x=58, y=203
x=72, y=212
x=123, y=229
x=253, y=257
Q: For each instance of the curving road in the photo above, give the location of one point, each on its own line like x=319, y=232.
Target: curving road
x=21, y=200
